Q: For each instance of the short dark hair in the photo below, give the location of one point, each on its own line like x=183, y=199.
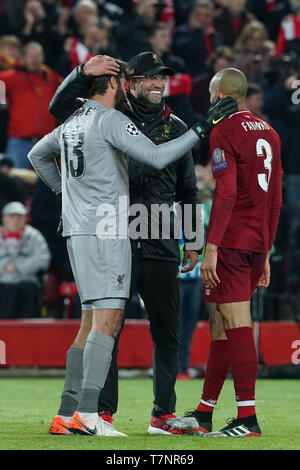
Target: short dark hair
x=98, y=85
x=159, y=26
x=6, y=161
x=29, y=44
x=202, y=3
x=253, y=89
x=222, y=52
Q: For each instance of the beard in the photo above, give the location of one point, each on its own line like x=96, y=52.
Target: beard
x=120, y=99
x=144, y=95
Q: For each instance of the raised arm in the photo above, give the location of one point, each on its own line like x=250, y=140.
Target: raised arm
x=74, y=86
x=125, y=136
x=160, y=156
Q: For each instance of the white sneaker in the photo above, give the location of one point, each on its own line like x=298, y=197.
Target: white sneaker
x=92, y=427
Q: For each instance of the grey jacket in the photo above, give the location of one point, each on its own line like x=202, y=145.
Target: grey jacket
x=31, y=257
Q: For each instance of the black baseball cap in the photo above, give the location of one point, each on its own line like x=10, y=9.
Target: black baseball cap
x=146, y=64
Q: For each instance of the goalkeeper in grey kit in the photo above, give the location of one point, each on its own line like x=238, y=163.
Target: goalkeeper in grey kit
x=93, y=144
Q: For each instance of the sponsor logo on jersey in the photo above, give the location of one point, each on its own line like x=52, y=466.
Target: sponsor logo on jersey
x=219, y=161
x=131, y=129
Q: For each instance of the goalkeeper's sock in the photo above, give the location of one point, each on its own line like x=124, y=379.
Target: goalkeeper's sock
x=66, y=419
x=73, y=382
x=216, y=372
x=96, y=363
x=244, y=366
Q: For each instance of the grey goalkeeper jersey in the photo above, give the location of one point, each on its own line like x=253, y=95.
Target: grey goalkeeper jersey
x=93, y=144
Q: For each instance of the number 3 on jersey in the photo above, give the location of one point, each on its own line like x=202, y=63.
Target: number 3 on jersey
x=264, y=149
x=73, y=140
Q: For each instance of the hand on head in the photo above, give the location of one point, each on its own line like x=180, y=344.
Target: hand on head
x=101, y=65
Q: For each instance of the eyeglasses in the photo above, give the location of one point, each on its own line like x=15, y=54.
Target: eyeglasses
x=157, y=76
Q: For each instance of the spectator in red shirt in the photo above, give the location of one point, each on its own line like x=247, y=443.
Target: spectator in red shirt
x=10, y=51
x=29, y=90
x=288, y=38
x=95, y=39
x=78, y=51
x=246, y=163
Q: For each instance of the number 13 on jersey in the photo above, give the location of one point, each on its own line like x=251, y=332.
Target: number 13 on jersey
x=73, y=140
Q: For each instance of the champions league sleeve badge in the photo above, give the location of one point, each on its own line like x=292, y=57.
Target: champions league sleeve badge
x=219, y=161
x=131, y=129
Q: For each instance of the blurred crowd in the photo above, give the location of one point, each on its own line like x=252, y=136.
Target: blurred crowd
x=42, y=41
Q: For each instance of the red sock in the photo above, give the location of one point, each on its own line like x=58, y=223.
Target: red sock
x=244, y=367
x=216, y=372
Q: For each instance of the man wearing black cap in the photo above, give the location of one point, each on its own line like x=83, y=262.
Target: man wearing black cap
x=155, y=262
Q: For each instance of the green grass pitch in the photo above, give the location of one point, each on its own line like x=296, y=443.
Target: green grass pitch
x=27, y=407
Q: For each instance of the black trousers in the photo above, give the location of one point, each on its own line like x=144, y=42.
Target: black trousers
x=21, y=300
x=158, y=285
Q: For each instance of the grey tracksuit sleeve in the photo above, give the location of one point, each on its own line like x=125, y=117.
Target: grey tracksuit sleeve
x=43, y=159
x=111, y=130
x=124, y=135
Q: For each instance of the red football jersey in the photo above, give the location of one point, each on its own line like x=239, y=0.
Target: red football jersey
x=246, y=162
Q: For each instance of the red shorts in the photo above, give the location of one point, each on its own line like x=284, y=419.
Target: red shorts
x=239, y=272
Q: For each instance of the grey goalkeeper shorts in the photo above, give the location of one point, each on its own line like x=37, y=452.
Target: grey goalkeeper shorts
x=101, y=269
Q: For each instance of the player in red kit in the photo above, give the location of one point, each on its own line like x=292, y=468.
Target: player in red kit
x=246, y=163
